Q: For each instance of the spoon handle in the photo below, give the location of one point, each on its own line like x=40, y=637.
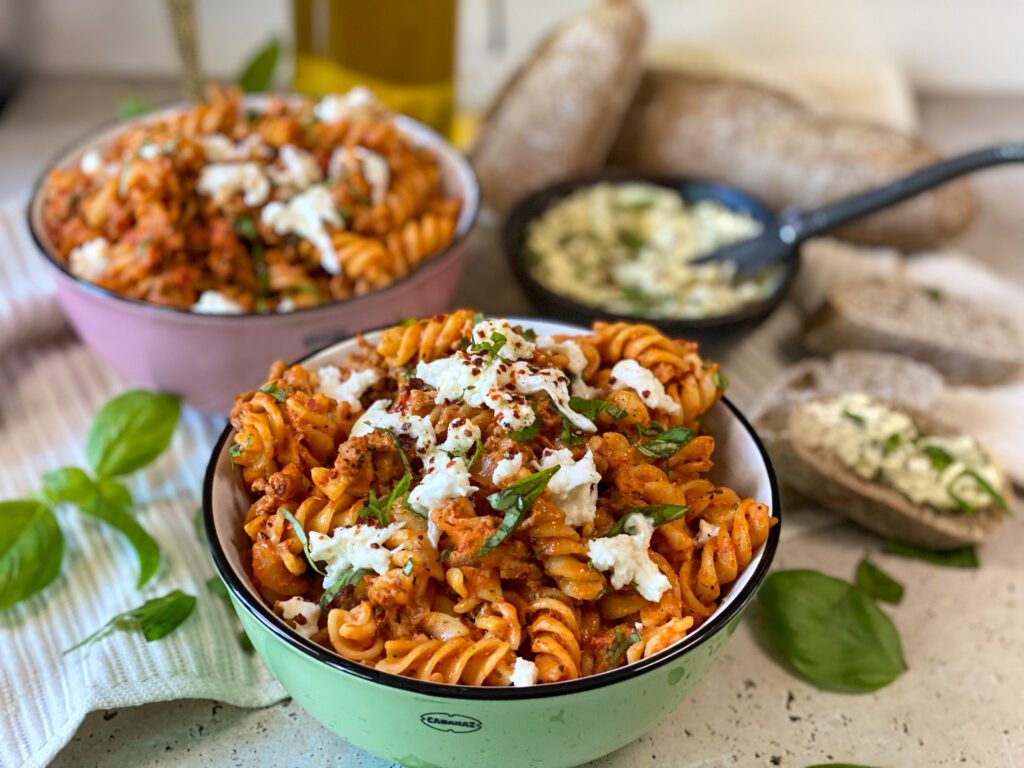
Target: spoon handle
x=797, y=226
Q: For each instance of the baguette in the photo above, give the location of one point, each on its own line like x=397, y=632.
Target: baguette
x=966, y=342
x=820, y=475
x=776, y=149
x=559, y=113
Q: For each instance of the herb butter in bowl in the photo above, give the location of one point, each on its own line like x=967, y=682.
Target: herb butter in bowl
x=624, y=249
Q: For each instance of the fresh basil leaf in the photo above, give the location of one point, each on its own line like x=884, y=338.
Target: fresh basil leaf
x=529, y=334
x=515, y=501
x=594, y=408
x=658, y=514
x=278, y=393
x=962, y=557
x=620, y=644
x=300, y=534
x=132, y=106
x=478, y=318
x=830, y=632
x=381, y=507
x=130, y=431
x=258, y=74
x=569, y=435
x=668, y=443
x=939, y=457
x=720, y=380
x=634, y=241
x=67, y=484
x=216, y=586
x=892, y=442
x=445, y=554
x=110, y=503
x=856, y=418
x=155, y=618
x=877, y=583
x=237, y=449
x=527, y=434
x=653, y=429
x=349, y=578
x=398, y=445
x=245, y=226
x=31, y=550
x=997, y=498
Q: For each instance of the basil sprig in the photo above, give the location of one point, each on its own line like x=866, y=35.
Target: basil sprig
x=939, y=457
x=594, y=408
x=620, y=644
x=278, y=393
x=526, y=434
x=962, y=557
x=380, y=508
x=155, y=619
x=515, y=501
x=856, y=418
x=877, y=583
x=997, y=498
x=348, y=578
x=667, y=443
x=300, y=534
x=831, y=632
x=658, y=514
x=258, y=74
x=492, y=347
x=31, y=549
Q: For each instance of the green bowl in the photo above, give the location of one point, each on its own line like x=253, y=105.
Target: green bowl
x=419, y=724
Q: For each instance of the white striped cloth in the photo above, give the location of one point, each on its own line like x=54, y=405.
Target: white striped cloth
x=52, y=386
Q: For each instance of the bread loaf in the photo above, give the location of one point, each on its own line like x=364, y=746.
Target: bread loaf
x=779, y=151
x=559, y=114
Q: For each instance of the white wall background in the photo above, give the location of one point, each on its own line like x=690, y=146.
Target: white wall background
x=943, y=45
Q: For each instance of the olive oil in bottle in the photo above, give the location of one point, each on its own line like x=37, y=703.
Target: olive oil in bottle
x=402, y=50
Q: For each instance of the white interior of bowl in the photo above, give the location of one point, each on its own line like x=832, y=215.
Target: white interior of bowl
x=739, y=464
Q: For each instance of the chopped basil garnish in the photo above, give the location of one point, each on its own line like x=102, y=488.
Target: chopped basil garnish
x=515, y=501
x=380, y=508
x=406, y=322
x=349, y=578
x=856, y=418
x=155, y=618
x=667, y=443
x=278, y=393
x=394, y=438
x=939, y=457
x=529, y=334
x=997, y=498
x=445, y=554
x=237, y=450
x=527, y=434
x=892, y=442
x=478, y=318
x=245, y=227
x=593, y=408
x=620, y=644
x=300, y=534
x=658, y=514
x=492, y=347
x=653, y=429
x=933, y=293
x=720, y=380
x=570, y=436
x=634, y=241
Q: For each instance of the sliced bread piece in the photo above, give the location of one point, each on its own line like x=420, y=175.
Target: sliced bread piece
x=821, y=475
x=967, y=342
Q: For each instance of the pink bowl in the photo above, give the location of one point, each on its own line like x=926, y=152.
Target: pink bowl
x=207, y=359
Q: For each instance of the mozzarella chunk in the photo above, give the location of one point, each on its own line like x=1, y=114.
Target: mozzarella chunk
x=305, y=215
x=627, y=557
x=471, y=379
x=508, y=469
x=91, y=260
x=574, y=487
x=377, y=416
x=369, y=164
x=446, y=478
x=287, y=304
x=706, y=532
x=515, y=347
x=462, y=435
x=355, y=546
x=295, y=169
x=340, y=106
x=530, y=380
x=524, y=673
x=222, y=181
x=218, y=148
x=302, y=615
x=577, y=364
x=351, y=389
x=629, y=373
x=217, y=303
x=91, y=163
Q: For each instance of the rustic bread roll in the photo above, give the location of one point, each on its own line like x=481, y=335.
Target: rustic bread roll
x=559, y=113
x=966, y=342
x=777, y=150
x=821, y=475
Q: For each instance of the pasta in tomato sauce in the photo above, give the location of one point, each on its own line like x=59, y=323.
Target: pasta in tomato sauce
x=468, y=502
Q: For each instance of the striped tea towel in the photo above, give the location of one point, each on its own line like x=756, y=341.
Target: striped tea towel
x=52, y=386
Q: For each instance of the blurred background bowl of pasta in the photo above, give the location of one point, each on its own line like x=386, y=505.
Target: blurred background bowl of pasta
x=418, y=723
x=214, y=348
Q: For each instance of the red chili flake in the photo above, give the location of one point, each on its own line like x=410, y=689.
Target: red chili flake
x=374, y=545
x=646, y=393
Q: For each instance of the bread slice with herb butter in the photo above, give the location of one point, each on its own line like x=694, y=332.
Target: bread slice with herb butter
x=967, y=342
x=819, y=459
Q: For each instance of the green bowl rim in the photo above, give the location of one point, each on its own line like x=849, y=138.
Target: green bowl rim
x=264, y=614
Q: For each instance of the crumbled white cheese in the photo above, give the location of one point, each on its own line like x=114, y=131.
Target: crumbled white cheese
x=149, y=150
x=351, y=389
x=305, y=215
x=577, y=364
x=91, y=260
x=627, y=557
x=378, y=417
x=217, y=303
x=524, y=673
x=218, y=148
x=446, y=478
x=531, y=380
x=222, y=181
x=514, y=346
x=287, y=304
x=295, y=169
x=706, y=532
x=629, y=373
x=355, y=546
x=340, y=106
x=92, y=162
x=369, y=164
x=508, y=469
x=302, y=615
x=574, y=487
x=462, y=435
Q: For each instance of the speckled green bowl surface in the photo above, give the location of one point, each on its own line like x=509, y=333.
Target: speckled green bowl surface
x=429, y=724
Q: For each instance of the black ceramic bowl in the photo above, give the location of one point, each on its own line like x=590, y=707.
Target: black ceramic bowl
x=712, y=329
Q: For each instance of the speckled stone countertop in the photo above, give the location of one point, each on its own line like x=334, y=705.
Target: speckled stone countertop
x=963, y=631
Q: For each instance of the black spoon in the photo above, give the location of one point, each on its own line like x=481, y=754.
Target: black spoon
x=792, y=227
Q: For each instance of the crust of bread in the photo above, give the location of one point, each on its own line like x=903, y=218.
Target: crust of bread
x=843, y=322
x=776, y=149
x=559, y=113
x=821, y=476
